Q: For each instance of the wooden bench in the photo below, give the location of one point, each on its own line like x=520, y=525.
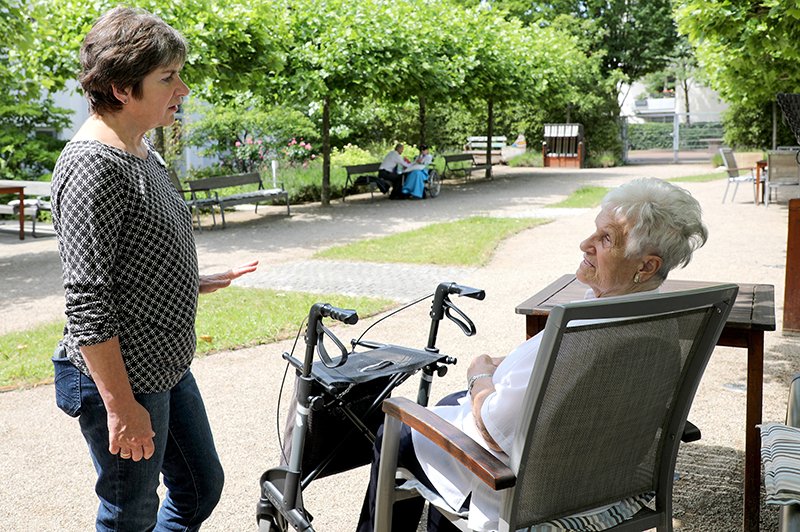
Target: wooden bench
x=461, y=164
x=211, y=185
x=361, y=175
x=477, y=146
x=31, y=210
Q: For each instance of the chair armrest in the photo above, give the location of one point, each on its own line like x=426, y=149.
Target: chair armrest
x=481, y=462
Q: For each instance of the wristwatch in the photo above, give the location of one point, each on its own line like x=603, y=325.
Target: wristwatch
x=474, y=378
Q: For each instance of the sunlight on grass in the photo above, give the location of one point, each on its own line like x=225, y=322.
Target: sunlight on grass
x=702, y=178
x=227, y=319
x=583, y=198
x=468, y=242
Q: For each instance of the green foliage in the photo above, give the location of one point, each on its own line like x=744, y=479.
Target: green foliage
x=748, y=53
x=527, y=159
x=470, y=242
x=604, y=159
x=658, y=135
x=350, y=154
x=702, y=178
x=751, y=126
x=634, y=37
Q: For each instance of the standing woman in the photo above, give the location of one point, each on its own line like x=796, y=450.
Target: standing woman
x=131, y=282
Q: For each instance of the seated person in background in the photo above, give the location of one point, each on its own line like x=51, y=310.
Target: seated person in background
x=417, y=173
x=645, y=228
x=390, y=172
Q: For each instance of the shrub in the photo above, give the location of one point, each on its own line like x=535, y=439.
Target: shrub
x=527, y=159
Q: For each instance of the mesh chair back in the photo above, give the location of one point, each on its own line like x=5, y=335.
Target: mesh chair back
x=729, y=161
x=606, y=405
x=783, y=167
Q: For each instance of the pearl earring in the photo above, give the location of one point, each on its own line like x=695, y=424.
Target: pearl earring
x=636, y=278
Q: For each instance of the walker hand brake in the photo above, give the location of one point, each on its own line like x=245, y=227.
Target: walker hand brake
x=466, y=326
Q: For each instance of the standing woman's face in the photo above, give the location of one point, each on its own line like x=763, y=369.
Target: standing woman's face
x=163, y=91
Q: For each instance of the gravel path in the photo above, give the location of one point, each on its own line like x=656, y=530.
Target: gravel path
x=48, y=477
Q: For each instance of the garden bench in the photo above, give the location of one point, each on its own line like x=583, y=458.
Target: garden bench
x=477, y=146
x=211, y=186
x=361, y=175
x=462, y=164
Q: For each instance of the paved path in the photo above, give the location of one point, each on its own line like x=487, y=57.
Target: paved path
x=47, y=476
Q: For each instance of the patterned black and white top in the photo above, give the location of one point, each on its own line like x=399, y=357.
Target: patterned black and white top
x=129, y=261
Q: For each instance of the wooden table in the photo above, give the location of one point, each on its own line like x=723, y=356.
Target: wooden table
x=760, y=166
x=752, y=314
x=16, y=189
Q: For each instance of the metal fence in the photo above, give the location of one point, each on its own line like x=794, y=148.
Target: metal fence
x=672, y=137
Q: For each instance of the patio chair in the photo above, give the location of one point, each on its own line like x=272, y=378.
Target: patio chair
x=782, y=171
x=602, y=418
x=736, y=174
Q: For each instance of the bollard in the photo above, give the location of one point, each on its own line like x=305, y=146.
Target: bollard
x=791, y=294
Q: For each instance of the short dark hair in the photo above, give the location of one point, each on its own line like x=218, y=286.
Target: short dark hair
x=423, y=147
x=123, y=47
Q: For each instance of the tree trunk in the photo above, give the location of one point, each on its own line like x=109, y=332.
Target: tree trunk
x=685, y=84
x=158, y=140
x=326, y=151
x=422, y=119
x=489, y=133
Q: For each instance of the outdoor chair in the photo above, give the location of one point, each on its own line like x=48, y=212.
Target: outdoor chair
x=736, y=174
x=782, y=171
x=603, y=415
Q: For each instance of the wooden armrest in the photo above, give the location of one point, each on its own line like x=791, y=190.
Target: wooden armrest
x=481, y=462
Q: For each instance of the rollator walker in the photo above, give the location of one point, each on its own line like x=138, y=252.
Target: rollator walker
x=338, y=400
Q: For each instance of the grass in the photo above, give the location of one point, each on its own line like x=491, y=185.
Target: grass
x=583, y=198
x=467, y=242
x=701, y=178
x=228, y=319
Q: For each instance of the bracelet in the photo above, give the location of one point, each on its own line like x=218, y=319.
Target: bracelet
x=474, y=378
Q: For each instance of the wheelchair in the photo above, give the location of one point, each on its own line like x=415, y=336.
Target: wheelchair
x=339, y=398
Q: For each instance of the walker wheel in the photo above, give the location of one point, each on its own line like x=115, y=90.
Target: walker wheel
x=434, y=183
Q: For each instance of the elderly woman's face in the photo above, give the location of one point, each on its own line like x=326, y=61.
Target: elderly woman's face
x=605, y=268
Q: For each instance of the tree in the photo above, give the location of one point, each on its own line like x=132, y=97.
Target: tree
x=635, y=36
x=28, y=118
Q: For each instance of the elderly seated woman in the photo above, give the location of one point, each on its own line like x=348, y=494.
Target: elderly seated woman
x=645, y=228
x=417, y=174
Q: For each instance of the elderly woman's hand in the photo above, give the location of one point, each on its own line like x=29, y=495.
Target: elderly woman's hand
x=483, y=364
x=213, y=282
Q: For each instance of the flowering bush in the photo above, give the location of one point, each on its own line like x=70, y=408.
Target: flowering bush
x=251, y=155
x=298, y=152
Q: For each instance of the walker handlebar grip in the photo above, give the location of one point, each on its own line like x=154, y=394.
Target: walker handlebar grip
x=466, y=291
x=348, y=316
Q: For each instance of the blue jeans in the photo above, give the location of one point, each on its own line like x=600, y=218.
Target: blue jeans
x=184, y=454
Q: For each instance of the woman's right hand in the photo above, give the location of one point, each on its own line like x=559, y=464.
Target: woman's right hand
x=483, y=364
x=130, y=433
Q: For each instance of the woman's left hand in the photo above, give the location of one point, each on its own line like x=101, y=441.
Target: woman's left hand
x=215, y=281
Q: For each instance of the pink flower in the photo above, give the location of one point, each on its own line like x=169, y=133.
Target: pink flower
x=237, y=143
x=307, y=146
x=313, y=156
x=259, y=141
x=248, y=140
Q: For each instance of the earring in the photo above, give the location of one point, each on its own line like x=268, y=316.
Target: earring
x=125, y=102
x=636, y=278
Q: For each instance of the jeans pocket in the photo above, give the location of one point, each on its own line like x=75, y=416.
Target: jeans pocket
x=67, y=383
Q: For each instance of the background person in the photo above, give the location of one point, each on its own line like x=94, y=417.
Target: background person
x=417, y=173
x=391, y=171
x=645, y=228
x=131, y=282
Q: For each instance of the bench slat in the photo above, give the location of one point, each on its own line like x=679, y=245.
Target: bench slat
x=225, y=181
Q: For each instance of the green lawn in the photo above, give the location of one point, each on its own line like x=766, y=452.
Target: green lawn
x=583, y=198
x=468, y=242
x=701, y=178
x=227, y=319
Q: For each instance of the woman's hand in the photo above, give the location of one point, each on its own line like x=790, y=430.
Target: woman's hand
x=483, y=364
x=215, y=281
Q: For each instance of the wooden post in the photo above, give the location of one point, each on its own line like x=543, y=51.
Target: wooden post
x=791, y=295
